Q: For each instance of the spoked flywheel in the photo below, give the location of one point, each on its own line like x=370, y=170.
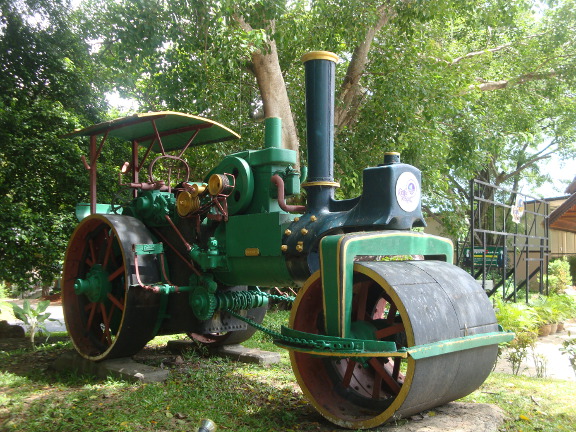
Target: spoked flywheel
x=409, y=303
x=107, y=313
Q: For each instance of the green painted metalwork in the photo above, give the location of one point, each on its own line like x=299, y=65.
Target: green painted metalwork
x=459, y=344
x=243, y=192
x=273, y=132
x=253, y=251
x=96, y=286
x=152, y=207
x=83, y=210
x=342, y=249
x=148, y=249
x=210, y=258
x=181, y=128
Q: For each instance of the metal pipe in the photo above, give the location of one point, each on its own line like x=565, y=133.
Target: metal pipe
x=279, y=182
x=320, y=71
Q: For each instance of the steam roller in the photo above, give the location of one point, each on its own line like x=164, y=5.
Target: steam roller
x=384, y=325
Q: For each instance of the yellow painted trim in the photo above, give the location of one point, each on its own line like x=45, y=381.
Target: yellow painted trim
x=408, y=377
x=392, y=153
x=320, y=183
x=320, y=55
x=400, y=354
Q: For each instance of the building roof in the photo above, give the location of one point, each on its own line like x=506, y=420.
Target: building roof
x=564, y=217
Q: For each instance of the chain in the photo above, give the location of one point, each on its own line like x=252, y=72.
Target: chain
x=318, y=344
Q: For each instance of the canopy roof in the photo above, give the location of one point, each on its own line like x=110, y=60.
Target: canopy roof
x=175, y=130
x=564, y=217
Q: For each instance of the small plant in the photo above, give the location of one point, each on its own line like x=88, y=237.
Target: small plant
x=34, y=318
x=519, y=349
x=540, y=363
x=569, y=348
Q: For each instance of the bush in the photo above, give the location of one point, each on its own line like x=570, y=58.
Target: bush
x=516, y=317
x=572, y=262
x=559, y=276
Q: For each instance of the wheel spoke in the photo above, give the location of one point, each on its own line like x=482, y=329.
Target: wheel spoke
x=391, y=313
x=109, y=243
x=116, y=302
x=388, y=380
x=349, y=372
x=361, y=304
x=116, y=273
x=389, y=331
x=92, y=307
x=93, y=257
x=376, y=386
x=106, y=333
x=396, y=369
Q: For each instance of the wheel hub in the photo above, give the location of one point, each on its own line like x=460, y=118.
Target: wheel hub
x=96, y=286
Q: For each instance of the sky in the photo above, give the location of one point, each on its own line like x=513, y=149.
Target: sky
x=562, y=173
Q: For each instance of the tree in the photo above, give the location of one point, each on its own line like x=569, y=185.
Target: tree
x=462, y=88
x=46, y=90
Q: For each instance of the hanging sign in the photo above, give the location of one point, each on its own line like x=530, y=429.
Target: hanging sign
x=518, y=208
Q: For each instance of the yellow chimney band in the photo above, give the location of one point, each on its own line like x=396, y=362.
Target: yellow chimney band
x=320, y=55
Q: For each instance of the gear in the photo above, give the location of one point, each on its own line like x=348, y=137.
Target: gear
x=203, y=304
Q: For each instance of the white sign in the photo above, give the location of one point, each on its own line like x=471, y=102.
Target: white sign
x=518, y=209
x=408, y=191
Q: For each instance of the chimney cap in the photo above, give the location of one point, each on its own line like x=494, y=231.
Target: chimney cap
x=320, y=55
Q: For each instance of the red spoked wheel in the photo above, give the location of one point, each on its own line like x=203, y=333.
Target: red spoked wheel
x=107, y=313
x=351, y=392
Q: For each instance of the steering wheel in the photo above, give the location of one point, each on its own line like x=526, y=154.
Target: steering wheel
x=121, y=199
x=172, y=164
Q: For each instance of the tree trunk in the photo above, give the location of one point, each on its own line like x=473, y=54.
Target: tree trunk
x=266, y=68
x=351, y=94
x=274, y=95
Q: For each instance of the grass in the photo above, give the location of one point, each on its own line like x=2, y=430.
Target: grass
x=6, y=313
x=237, y=397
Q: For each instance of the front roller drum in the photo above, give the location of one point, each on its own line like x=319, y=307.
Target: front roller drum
x=411, y=303
x=107, y=314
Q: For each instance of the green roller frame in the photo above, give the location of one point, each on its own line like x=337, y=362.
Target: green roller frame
x=341, y=250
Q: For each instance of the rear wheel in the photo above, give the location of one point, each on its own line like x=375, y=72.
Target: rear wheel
x=107, y=314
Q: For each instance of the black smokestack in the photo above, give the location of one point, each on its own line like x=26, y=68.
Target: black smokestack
x=320, y=73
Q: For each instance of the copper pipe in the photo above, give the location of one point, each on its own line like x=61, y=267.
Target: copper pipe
x=279, y=182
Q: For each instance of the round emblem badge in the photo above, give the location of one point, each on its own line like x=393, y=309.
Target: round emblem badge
x=408, y=191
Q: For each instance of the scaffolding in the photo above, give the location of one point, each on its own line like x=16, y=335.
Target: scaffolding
x=508, y=240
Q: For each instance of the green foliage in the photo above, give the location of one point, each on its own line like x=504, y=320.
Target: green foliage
x=47, y=90
x=518, y=349
x=572, y=262
x=559, y=277
x=35, y=318
x=516, y=317
x=564, y=306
